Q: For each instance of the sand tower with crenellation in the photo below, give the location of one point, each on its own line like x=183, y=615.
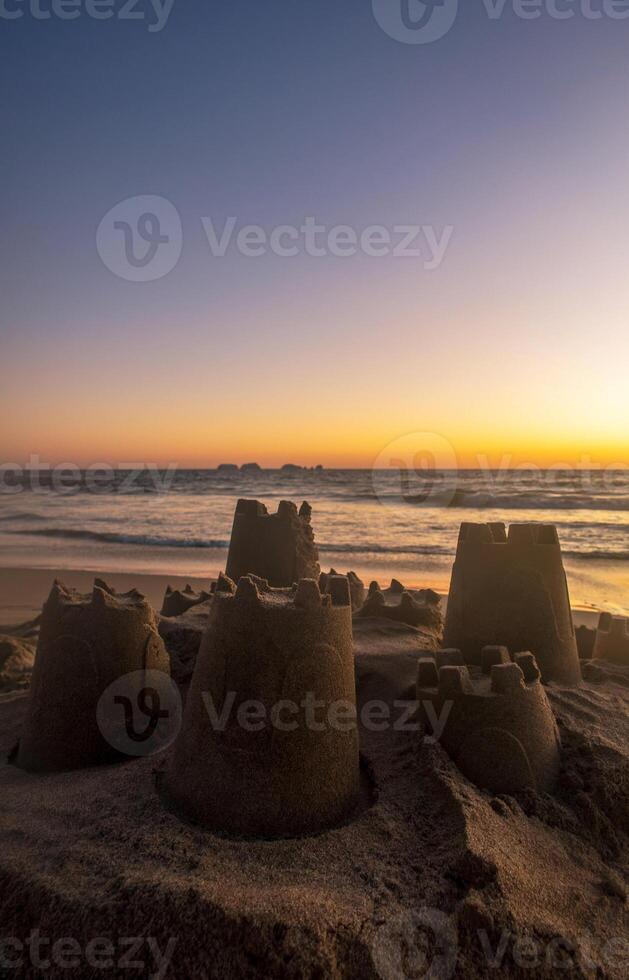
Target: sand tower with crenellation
x=510, y=589
x=499, y=727
x=254, y=756
x=612, y=639
x=277, y=547
x=86, y=643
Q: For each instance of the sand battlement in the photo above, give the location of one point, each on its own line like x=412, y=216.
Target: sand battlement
x=277, y=547
x=270, y=647
x=509, y=588
x=500, y=729
x=496, y=678
x=516, y=536
x=306, y=594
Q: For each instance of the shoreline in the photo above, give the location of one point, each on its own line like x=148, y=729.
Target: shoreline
x=24, y=590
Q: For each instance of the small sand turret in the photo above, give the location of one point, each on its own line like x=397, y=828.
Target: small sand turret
x=500, y=730
x=86, y=643
x=510, y=589
x=612, y=640
x=254, y=756
x=277, y=547
x=357, y=588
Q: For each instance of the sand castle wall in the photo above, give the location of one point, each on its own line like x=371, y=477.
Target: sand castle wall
x=178, y=601
x=277, y=547
x=421, y=608
x=270, y=647
x=500, y=730
x=86, y=643
x=511, y=589
x=612, y=640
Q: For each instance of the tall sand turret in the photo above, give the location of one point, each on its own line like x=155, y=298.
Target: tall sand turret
x=511, y=589
x=612, y=639
x=277, y=547
x=86, y=643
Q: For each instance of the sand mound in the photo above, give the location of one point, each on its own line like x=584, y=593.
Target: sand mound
x=16, y=663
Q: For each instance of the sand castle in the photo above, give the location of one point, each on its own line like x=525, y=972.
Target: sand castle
x=86, y=643
x=178, y=601
x=422, y=608
x=612, y=640
x=252, y=758
x=511, y=589
x=500, y=730
x=277, y=547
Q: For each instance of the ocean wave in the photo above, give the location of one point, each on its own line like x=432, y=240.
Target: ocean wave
x=111, y=537
x=480, y=500
x=362, y=549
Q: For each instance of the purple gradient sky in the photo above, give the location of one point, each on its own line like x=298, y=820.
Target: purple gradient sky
x=514, y=132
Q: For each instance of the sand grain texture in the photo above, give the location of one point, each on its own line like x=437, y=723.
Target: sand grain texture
x=95, y=853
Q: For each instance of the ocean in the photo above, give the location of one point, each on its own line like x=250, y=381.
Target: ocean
x=381, y=523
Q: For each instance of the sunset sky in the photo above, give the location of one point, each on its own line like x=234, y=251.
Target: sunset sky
x=512, y=132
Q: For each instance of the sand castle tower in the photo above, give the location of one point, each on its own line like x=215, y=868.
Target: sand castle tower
x=277, y=547
x=511, y=589
x=357, y=588
x=86, y=643
x=612, y=640
x=500, y=730
x=254, y=757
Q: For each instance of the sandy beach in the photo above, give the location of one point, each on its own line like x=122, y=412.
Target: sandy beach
x=100, y=852
x=23, y=591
